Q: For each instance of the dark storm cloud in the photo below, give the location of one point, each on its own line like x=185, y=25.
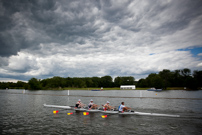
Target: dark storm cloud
x=44, y=38
x=185, y=14
x=26, y=24
x=16, y=20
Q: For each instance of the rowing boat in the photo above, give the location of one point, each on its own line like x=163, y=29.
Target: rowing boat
x=126, y=113
x=155, y=114
x=112, y=111
x=58, y=106
x=80, y=109
x=93, y=110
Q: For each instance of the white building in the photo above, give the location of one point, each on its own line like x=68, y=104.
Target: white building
x=127, y=87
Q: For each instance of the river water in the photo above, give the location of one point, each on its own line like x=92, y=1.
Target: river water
x=22, y=112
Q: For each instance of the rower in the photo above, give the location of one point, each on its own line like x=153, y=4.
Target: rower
x=107, y=106
x=79, y=104
x=123, y=108
x=91, y=105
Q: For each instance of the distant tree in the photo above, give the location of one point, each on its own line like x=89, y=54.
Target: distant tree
x=106, y=81
x=96, y=82
x=142, y=83
x=185, y=72
x=126, y=80
x=4, y=85
x=88, y=81
x=68, y=82
x=118, y=81
x=177, y=79
x=166, y=77
x=34, y=84
x=198, y=78
x=20, y=84
x=150, y=80
x=78, y=82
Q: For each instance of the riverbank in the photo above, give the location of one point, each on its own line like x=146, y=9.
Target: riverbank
x=114, y=88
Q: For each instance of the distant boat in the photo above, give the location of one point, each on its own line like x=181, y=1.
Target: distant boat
x=154, y=89
x=96, y=90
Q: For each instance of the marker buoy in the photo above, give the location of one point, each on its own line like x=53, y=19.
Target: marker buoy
x=56, y=111
x=85, y=113
x=104, y=116
x=70, y=113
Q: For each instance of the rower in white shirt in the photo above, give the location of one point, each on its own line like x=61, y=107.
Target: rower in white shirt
x=123, y=108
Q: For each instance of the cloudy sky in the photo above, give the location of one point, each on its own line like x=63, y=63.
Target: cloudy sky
x=86, y=38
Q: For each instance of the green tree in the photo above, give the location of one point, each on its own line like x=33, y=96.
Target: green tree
x=20, y=84
x=68, y=82
x=96, y=82
x=166, y=77
x=126, y=80
x=142, y=83
x=78, y=82
x=198, y=78
x=106, y=81
x=34, y=84
x=185, y=72
x=150, y=80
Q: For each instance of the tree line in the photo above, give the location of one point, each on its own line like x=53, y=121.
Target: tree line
x=177, y=78
x=163, y=79
x=80, y=82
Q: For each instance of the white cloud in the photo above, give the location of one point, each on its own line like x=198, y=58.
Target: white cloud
x=199, y=65
x=200, y=54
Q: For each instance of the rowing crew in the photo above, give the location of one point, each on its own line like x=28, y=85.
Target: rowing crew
x=91, y=105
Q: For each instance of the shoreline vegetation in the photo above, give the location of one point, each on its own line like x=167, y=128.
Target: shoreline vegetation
x=166, y=80
x=106, y=89
x=115, y=88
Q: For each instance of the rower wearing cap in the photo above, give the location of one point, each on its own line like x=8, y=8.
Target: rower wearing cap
x=79, y=104
x=91, y=105
x=107, y=106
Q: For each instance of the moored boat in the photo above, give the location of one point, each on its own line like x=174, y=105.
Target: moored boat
x=154, y=89
x=96, y=90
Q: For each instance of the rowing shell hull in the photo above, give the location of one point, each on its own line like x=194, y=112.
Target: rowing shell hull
x=155, y=114
x=110, y=112
x=93, y=110
x=148, y=114
x=80, y=109
x=57, y=106
x=127, y=113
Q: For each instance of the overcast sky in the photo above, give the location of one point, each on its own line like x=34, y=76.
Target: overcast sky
x=86, y=38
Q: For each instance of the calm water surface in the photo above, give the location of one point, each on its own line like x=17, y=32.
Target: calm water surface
x=24, y=113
